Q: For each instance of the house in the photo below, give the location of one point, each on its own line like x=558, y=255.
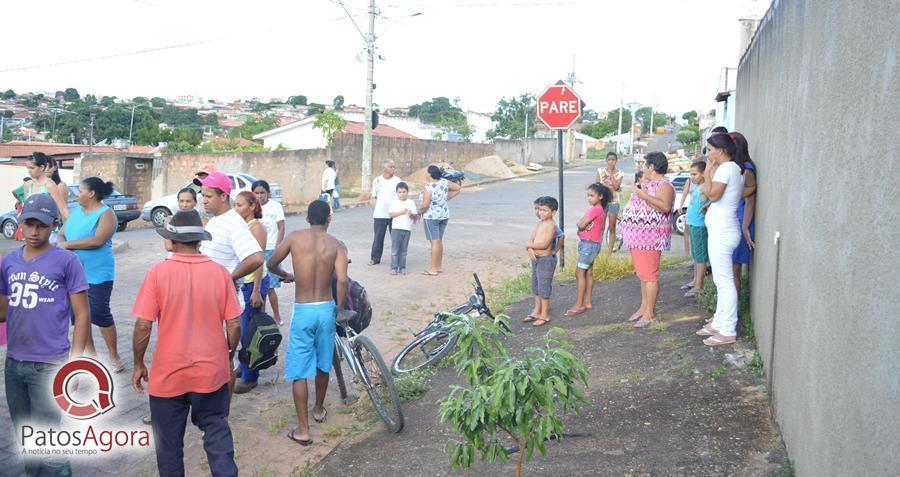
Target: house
x=20, y=151
x=301, y=134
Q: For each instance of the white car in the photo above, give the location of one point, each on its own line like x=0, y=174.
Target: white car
x=157, y=210
x=679, y=180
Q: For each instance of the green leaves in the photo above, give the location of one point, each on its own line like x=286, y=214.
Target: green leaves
x=508, y=399
x=329, y=122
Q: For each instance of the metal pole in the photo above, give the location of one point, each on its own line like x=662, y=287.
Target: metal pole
x=367, y=130
x=2, y=120
x=562, y=199
x=526, y=125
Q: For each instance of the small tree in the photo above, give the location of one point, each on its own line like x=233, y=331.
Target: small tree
x=329, y=122
x=687, y=136
x=522, y=398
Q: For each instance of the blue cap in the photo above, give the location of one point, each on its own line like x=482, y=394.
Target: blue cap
x=41, y=207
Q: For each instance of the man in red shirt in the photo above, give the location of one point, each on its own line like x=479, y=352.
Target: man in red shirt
x=190, y=297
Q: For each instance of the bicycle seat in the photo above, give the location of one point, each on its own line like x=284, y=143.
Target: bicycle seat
x=342, y=317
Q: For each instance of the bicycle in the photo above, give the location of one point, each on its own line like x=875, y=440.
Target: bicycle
x=436, y=340
x=369, y=370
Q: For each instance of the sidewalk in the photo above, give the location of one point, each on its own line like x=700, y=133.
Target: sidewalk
x=661, y=403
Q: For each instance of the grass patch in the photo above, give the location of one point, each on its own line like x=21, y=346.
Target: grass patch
x=658, y=325
x=787, y=470
x=332, y=430
x=510, y=291
x=714, y=374
x=755, y=366
x=411, y=386
x=606, y=267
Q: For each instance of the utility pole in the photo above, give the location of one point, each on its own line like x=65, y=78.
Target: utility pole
x=91, y=140
x=526, y=126
x=367, y=130
x=131, y=127
x=2, y=120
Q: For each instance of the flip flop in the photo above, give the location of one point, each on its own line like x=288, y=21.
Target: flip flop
x=636, y=316
x=643, y=323
x=529, y=318
x=687, y=286
x=302, y=442
x=429, y=273
x=574, y=312
x=118, y=369
x=706, y=331
x=538, y=322
x=718, y=340
x=690, y=294
x=324, y=416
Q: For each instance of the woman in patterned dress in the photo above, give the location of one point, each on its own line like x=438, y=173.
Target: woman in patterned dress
x=435, y=211
x=647, y=231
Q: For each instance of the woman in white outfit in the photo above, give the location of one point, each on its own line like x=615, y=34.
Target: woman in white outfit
x=723, y=186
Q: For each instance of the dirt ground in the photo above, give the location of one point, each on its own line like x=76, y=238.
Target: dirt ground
x=661, y=403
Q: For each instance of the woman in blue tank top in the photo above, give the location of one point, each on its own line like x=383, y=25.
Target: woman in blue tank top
x=88, y=233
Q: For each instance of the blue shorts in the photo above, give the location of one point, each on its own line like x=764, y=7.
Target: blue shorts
x=587, y=253
x=274, y=280
x=612, y=208
x=310, y=341
x=98, y=299
x=434, y=229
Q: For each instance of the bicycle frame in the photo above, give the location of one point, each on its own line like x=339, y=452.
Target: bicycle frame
x=345, y=345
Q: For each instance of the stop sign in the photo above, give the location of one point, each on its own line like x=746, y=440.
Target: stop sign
x=559, y=107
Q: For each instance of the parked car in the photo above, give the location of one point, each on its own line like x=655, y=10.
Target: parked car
x=157, y=210
x=125, y=207
x=678, y=180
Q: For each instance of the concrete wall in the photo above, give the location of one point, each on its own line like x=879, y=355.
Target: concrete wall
x=299, y=172
x=819, y=92
x=534, y=149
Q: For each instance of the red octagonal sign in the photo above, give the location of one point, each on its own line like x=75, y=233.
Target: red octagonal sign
x=559, y=107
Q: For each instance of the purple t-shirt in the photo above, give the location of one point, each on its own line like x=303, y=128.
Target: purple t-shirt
x=38, y=291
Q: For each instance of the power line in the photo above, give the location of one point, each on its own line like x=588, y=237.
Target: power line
x=116, y=55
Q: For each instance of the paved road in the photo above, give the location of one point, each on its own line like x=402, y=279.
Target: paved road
x=488, y=228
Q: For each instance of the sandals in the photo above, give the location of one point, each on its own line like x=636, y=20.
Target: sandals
x=719, y=340
x=321, y=419
x=687, y=286
x=302, y=442
x=690, y=294
x=636, y=316
x=118, y=369
x=429, y=273
x=643, y=323
x=573, y=312
x=529, y=318
x=706, y=331
x=538, y=322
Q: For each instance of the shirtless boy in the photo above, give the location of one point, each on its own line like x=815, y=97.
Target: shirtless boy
x=542, y=253
x=316, y=257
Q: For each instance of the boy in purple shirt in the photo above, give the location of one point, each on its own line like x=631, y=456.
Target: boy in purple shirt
x=38, y=284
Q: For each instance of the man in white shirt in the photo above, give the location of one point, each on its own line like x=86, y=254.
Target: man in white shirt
x=329, y=181
x=384, y=190
x=232, y=244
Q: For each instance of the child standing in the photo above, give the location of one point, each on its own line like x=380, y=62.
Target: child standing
x=402, y=211
x=590, y=234
x=39, y=284
x=542, y=254
x=696, y=220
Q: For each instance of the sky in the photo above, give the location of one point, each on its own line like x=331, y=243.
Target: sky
x=665, y=52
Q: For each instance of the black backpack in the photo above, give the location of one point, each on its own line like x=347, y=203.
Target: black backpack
x=358, y=301
x=259, y=344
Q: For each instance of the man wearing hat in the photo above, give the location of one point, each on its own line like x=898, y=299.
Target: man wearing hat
x=189, y=296
x=38, y=284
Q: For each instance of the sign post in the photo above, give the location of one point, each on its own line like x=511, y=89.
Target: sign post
x=558, y=107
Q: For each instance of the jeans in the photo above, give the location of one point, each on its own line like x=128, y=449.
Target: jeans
x=382, y=226
x=248, y=374
x=399, y=247
x=30, y=400
x=721, y=243
x=208, y=412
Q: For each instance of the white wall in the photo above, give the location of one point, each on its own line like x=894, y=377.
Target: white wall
x=301, y=137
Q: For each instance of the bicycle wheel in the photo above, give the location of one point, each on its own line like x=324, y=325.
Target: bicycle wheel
x=424, y=351
x=380, y=384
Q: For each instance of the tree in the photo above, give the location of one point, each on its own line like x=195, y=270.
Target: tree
x=9, y=94
x=71, y=94
x=687, y=136
x=450, y=118
x=253, y=127
x=107, y=101
x=298, y=100
x=7, y=113
x=157, y=102
x=329, y=122
x=90, y=99
x=589, y=115
x=338, y=103
x=139, y=100
x=691, y=117
x=315, y=108
x=522, y=398
x=643, y=116
x=510, y=117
